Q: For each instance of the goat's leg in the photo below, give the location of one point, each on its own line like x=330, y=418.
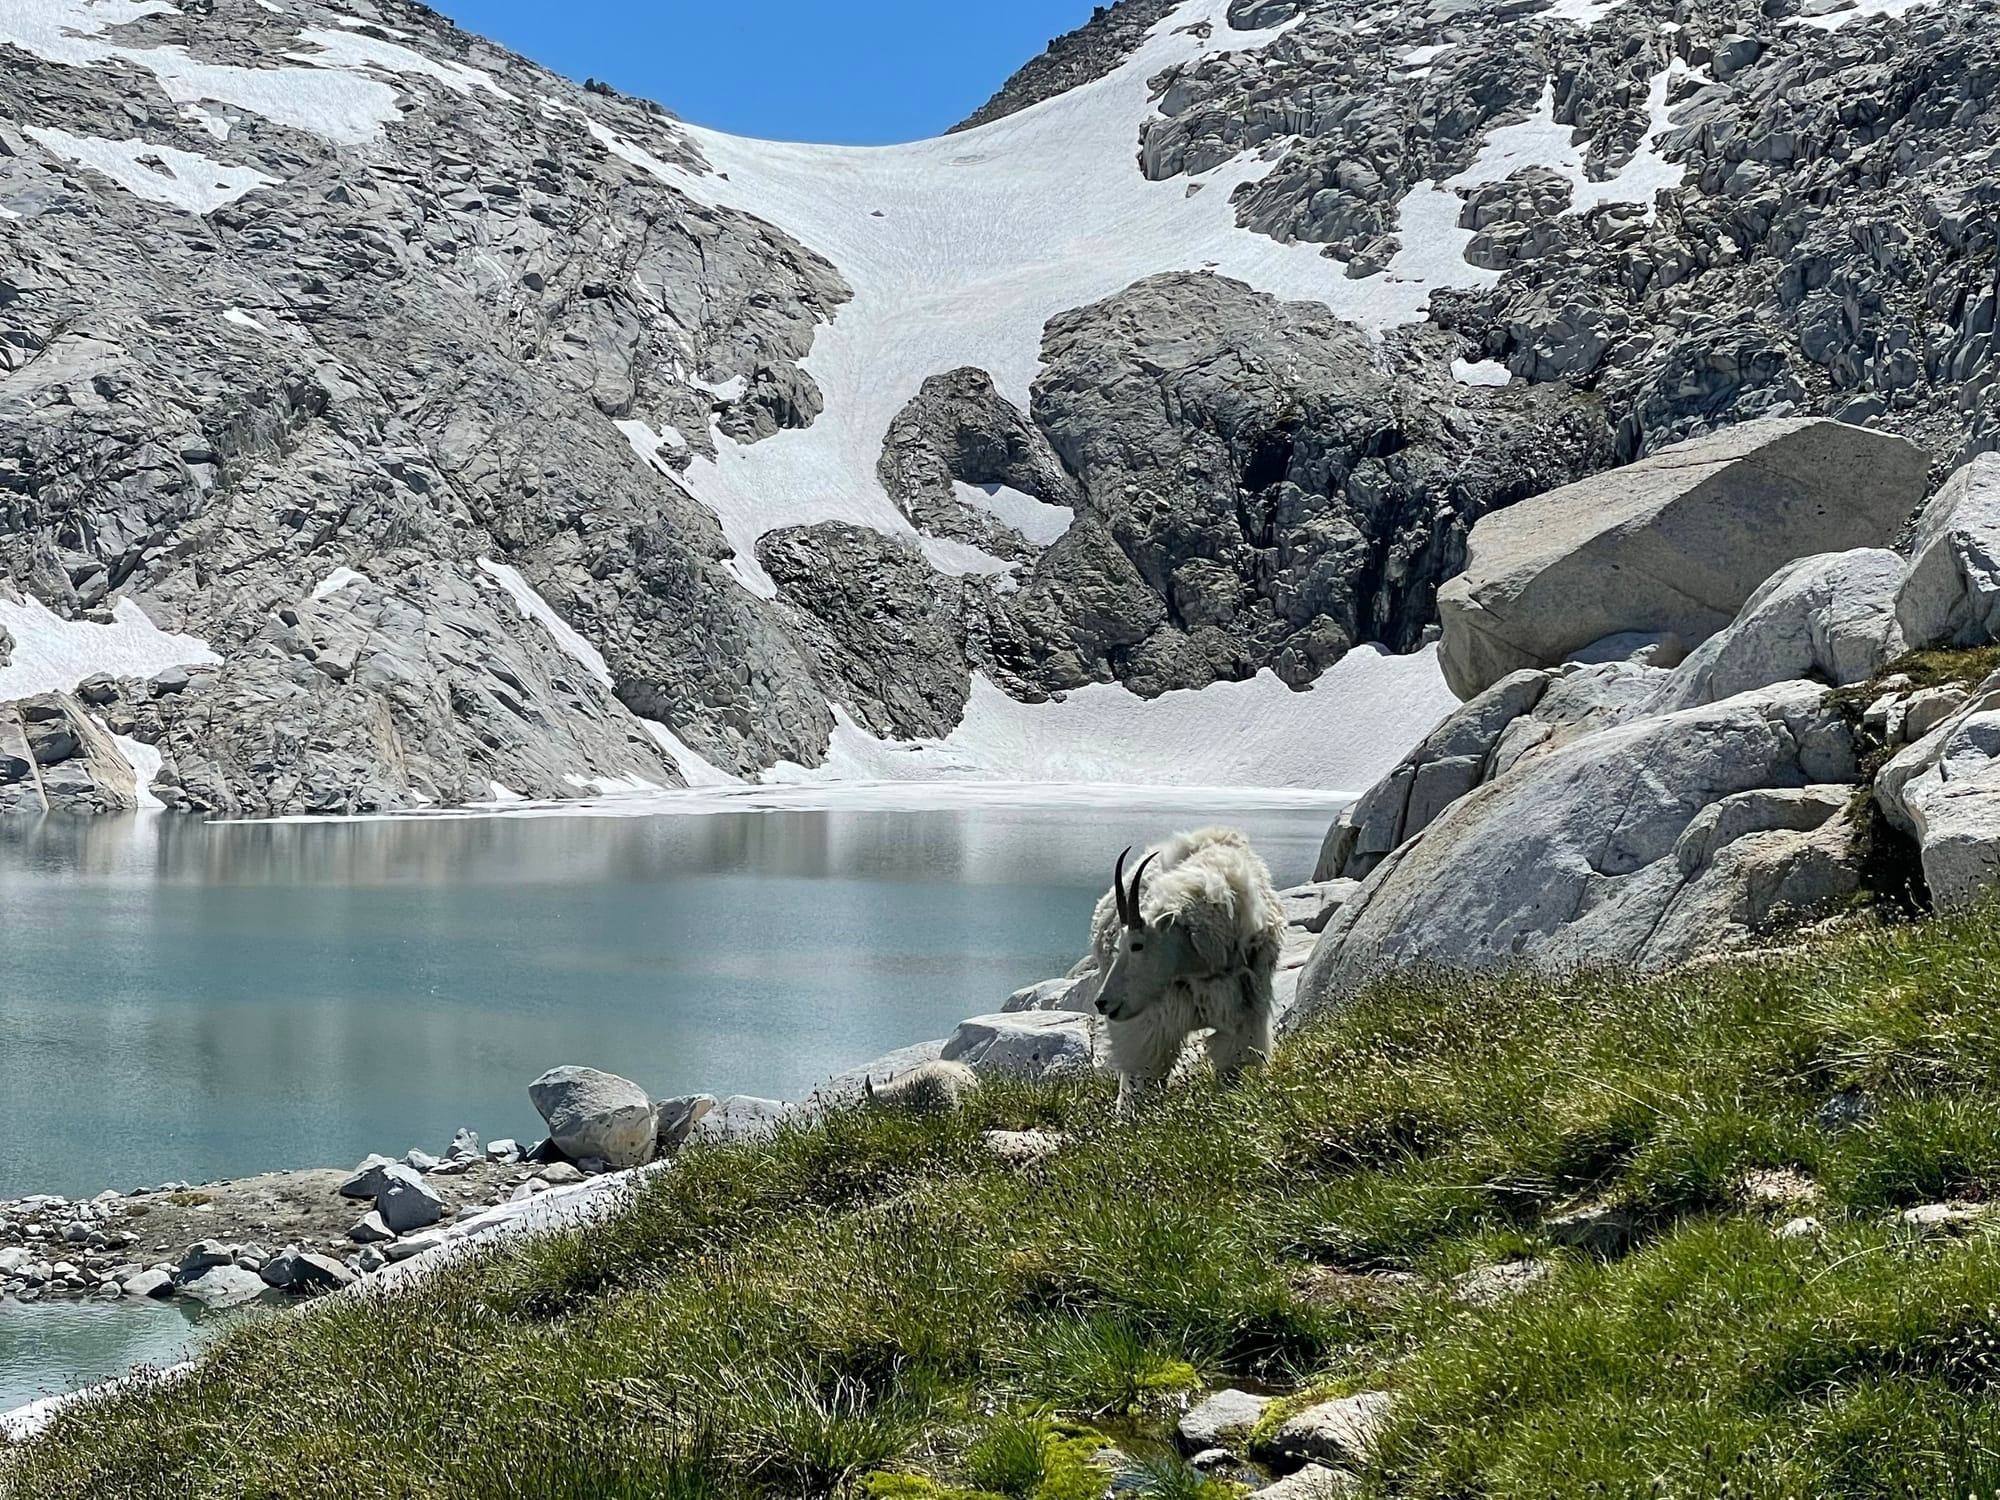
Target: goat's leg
x=1247, y=1044
x=1144, y=1056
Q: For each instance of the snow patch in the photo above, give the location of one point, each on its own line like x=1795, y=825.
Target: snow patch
x=242, y=319
x=1480, y=372
x=499, y=795
x=358, y=22
x=1856, y=12
x=52, y=655
x=357, y=53
x=1433, y=243
x=145, y=761
x=959, y=559
x=184, y=180
x=217, y=125
x=337, y=580
x=1344, y=732
x=1583, y=12
x=1640, y=179
x=330, y=97
x=1418, y=57
x=695, y=769
x=647, y=443
x=538, y=609
x=1037, y=520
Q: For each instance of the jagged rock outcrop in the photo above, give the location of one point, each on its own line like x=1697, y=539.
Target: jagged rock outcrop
x=1674, y=543
x=1092, y=50
x=960, y=431
x=882, y=630
x=56, y=757
x=1256, y=490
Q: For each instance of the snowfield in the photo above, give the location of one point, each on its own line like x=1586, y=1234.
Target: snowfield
x=52, y=655
x=1345, y=732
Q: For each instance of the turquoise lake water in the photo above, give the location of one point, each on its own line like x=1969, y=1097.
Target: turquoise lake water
x=188, y=1002
x=180, y=1001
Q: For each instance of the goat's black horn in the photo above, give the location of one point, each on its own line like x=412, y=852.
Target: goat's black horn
x=1118, y=887
x=1132, y=902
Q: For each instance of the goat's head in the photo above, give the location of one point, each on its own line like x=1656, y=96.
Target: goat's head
x=1149, y=956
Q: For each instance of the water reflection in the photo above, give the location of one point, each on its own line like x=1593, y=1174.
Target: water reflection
x=187, y=1000
x=50, y=1347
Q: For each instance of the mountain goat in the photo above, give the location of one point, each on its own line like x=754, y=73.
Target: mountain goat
x=1196, y=946
x=933, y=1088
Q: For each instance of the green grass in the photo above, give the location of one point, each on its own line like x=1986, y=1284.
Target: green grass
x=876, y=1307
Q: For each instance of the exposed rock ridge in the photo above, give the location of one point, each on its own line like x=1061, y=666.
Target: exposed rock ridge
x=1111, y=34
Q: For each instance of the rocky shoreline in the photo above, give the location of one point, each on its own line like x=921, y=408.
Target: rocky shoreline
x=302, y=1233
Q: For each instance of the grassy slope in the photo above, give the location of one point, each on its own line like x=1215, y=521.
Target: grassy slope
x=878, y=1295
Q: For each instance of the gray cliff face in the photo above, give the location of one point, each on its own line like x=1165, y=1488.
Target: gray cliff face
x=243, y=346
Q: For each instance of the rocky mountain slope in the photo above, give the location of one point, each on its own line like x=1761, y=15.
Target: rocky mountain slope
x=386, y=421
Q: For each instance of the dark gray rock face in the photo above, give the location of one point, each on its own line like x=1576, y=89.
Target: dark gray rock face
x=881, y=629
x=1257, y=490
x=960, y=430
x=1824, y=242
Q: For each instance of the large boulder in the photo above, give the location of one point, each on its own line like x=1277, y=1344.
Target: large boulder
x=1952, y=597
x=1674, y=543
x=1574, y=855
x=1451, y=761
x=1829, y=618
x=593, y=1113
x=406, y=1201
x=1944, y=791
x=1031, y=1044
x=224, y=1286
x=1522, y=715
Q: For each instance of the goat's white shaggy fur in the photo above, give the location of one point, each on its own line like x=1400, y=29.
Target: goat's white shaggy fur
x=1213, y=887
x=933, y=1088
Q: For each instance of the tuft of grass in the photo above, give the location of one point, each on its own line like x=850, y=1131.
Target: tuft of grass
x=877, y=1307
x=1098, y=1366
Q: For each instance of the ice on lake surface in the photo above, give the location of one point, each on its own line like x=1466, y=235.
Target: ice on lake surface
x=182, y=1001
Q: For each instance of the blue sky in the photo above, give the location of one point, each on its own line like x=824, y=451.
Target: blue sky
x=853, y=71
